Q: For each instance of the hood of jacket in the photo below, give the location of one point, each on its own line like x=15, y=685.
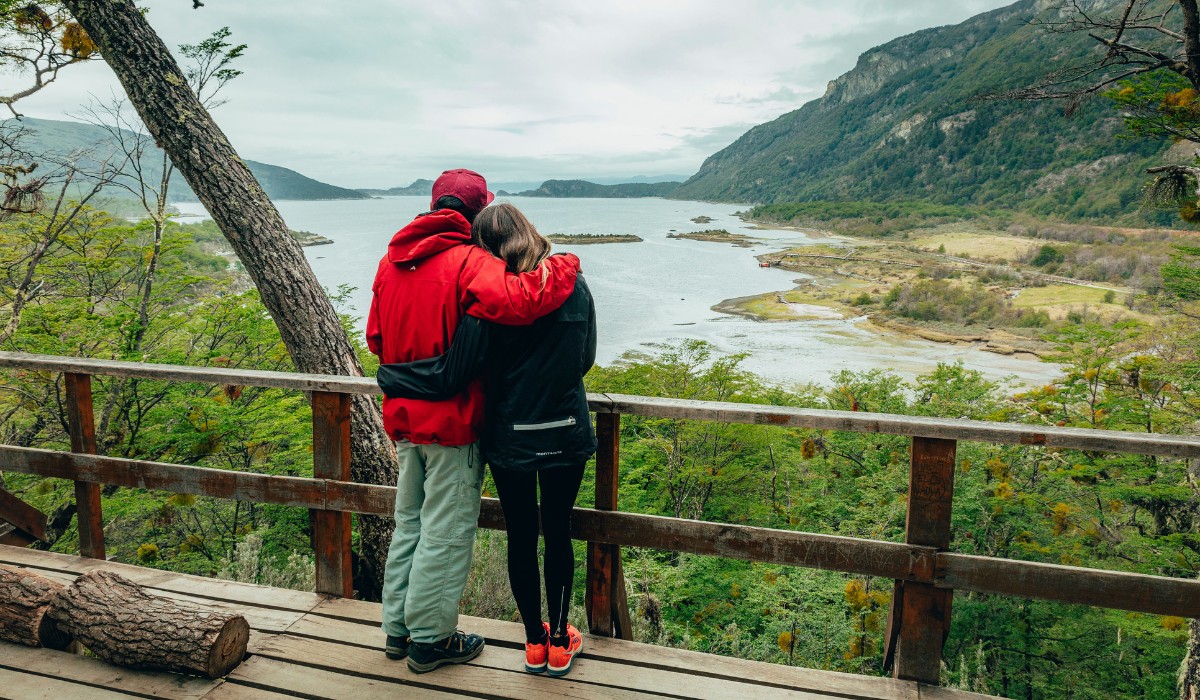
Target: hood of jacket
x=429, y=234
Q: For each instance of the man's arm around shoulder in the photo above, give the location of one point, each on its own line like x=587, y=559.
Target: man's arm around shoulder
x=492, y=293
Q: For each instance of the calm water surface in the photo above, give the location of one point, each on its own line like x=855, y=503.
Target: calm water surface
x=657, y=290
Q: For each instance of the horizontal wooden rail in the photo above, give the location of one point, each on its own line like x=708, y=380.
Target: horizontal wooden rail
x=852, y=421
x=1159, y=595
x=913, y=426
x=182, y=373
x=1123, y=591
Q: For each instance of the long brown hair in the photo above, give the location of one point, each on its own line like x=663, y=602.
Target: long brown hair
x=503, y=231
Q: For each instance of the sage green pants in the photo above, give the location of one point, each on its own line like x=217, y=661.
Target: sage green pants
x=437, y=509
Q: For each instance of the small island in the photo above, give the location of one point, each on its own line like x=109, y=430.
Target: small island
x=308, y=238
x=592, y=238
x=702, y=219
x=717, y=235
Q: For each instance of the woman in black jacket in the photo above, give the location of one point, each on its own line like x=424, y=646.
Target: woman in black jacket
x=538, y=430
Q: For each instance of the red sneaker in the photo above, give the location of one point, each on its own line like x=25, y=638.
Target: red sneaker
x=561, y=658
x=535, y=654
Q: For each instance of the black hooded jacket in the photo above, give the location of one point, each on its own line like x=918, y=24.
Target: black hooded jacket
x=536, y=413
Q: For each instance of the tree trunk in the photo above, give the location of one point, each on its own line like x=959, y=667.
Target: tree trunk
x=25, y=599
x=1189, y=672
x=1191, y=40
x=122, y=624
x=306, y=318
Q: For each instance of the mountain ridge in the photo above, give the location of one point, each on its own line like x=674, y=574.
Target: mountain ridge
x=63, y=137
x=586, y=188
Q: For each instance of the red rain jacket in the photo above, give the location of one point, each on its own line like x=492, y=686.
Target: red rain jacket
x=429, y=278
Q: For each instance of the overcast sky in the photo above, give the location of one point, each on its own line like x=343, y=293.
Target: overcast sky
x=377, y=94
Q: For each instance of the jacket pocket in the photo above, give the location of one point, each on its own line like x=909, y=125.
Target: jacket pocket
x=545, y=425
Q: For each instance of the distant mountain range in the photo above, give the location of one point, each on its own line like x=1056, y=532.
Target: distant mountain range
x=907, y=124
x=637, y=186
x=64, y=137
x=419, y=187
x=584, y=188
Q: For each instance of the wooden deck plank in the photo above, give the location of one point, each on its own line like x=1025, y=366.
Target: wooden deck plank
x=199, y=586
x=15, y=685
x=476, y=678
x=508, y=655
x=510, y=634
x=87, y=671
x=933, y=692
x=233, y=691
x=66, y=563
x=292, y=679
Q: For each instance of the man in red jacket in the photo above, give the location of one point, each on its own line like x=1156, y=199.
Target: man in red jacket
x=429, y=278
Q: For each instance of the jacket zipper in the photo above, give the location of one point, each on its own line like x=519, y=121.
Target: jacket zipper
x=543, y=426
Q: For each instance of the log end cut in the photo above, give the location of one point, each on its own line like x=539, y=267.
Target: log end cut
x=229, y=648
x=51, y=636
x=25, y=599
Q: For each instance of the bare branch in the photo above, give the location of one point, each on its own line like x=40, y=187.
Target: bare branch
x=1121, y=25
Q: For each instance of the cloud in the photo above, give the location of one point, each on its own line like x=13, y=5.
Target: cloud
x=376, y=94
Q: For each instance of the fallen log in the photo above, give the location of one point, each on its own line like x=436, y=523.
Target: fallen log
x=25, y=598
x=123, y=624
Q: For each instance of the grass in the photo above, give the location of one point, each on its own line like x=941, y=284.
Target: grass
x=1058, y=300
x=1059, y=295
x=978, y=245
x=767, y=306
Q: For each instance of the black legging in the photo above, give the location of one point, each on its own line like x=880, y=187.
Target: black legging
x=518, y=498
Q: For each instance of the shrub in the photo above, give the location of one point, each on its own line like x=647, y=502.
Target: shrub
x=1034, y=319
x=1046, y=255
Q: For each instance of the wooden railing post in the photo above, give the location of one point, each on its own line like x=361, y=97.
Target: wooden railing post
x=919, y=610
x=605, y=598
x=331, y=460
x=82, y=425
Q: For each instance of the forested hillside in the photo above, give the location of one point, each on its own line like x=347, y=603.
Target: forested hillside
x=64, y=138
x=907, y=124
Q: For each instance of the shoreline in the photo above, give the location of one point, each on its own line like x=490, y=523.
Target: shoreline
x=829, y=287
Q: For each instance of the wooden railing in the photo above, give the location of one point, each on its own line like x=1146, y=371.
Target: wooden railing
x=925, y=572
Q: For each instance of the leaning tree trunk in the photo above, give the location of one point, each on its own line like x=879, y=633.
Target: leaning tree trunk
x=25, y=599
x=122, y=624
x=306, y=318
x=1189, y=672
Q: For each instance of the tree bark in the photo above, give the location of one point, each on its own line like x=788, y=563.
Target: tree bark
x=307, y=321
x=25, y=599
x=1189, y=672
x=1191, y=40
x=122, y=624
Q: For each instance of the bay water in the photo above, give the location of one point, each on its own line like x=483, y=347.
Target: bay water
x=659, y=290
